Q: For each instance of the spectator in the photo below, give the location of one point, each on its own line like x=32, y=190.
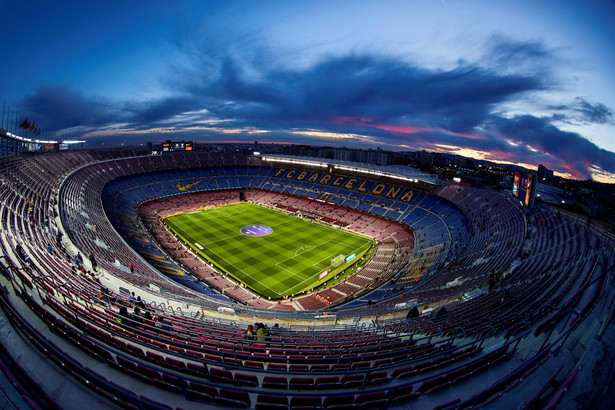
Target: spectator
x=93, y=261
x=413, y=313
x=506, y=297
x=148, y=320
x=249, y=336
x=442, y=312
x=262, y=333
x=162, y=324
x=124, y=317
x=22, y=254
x=140, y=302
x=136, y=317
x=107, y=295
x=492, y=281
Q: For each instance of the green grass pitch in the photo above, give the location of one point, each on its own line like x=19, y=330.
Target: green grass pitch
x=287, y=261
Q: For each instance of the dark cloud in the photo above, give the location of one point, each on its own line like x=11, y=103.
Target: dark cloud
x=529, y=57
x=150, y=112
x=375, y=95
x=63, y=107
x=574, y=152
x=57, y=107
x=582, y=112
x=377, y=87
x=593, y=113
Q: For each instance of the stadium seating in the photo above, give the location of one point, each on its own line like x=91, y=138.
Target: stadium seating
x=515, y=289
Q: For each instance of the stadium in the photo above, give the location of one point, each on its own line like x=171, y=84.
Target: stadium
x=379, y=287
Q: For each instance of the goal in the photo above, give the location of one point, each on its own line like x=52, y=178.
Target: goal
x=338, y=260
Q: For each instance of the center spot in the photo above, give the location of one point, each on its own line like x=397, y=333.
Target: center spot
x=256, y=230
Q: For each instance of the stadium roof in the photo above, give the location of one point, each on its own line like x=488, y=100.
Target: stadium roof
x=392, y=171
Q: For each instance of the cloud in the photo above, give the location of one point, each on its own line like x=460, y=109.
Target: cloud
x=593, y=113
x=506, y=55
x=64, y=107
x=381, y=88
x=582, y=112
x=150, y=112
x=568, y=150
x=391, y=102
x=58, y=107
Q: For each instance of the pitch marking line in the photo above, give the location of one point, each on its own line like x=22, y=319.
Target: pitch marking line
x=238, y=235
x=314, y=247
x=244, y=273
x=322, y=261
x=205, y=218
x=292, y=273
x=305, y=249
x=298, y=285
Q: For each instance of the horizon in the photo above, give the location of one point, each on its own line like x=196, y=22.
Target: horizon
x=523, y=167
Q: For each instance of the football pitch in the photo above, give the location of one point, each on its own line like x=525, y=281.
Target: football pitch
x=272, y=253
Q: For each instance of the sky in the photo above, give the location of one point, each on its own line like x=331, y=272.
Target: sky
x=523, y=82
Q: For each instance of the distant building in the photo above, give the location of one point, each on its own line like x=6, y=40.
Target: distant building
x=544, y=173
x=426, y=159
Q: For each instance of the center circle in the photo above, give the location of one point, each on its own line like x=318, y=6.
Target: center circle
x=256, y=230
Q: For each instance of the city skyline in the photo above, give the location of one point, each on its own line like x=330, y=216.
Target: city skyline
x=527, y=84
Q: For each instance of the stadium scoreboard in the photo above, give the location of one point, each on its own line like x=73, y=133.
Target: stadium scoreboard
x=169, y=146
x=524, y=188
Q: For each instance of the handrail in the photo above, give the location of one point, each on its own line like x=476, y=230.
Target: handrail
x=517, y=326
x=559, y=318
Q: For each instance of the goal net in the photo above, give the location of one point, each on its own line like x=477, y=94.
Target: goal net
x=338, y=260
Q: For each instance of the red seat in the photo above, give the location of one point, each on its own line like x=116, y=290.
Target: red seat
x=148, y=371
x=352, y=380
x=124, y=363
x=272, y=382
x=168, y=386
x=178, y=364
x=253, y=365
x=204, y=388
x=328, y=382
x=272, y=399
x=212, y=358
x=246, y=379
x=231, y=402
x=220, y=375
x=195, y=368
x=235, y=395
x=148, y=403
x=280, y=367
x=301, y=383
x=370, y=397
x=378, y=378
x=342, y=400
x=298, y=368
x=307, y=402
